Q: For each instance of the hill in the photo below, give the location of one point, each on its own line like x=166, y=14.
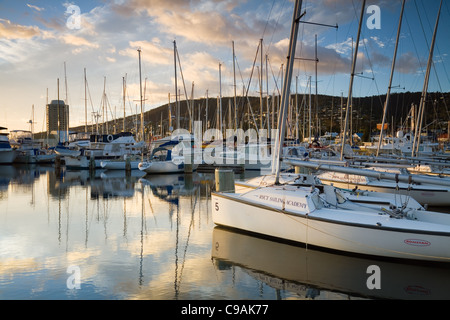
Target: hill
x=366, y=113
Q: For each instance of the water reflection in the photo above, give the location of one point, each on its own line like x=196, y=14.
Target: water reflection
x=123, y=231
x=320, y=275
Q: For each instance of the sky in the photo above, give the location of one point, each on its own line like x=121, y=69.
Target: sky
x=43, y=41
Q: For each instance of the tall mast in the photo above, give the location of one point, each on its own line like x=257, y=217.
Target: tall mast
x=124, y=95
x=170, y=116
x=207, y=119
x=390, y=79
x=350, y=88
x=140, y=88
x=103, y=108
x=234, y=81
x=261, y=87
x=316, y=98
x=296, y=108
x=46, y=116
x=66, y=110
x=267, y=99
x=32, y=122
x=177, y=106
x=309, y=116
x=59, y=135
x=85, y=103
x=220, y=98
x=286, y=88
x=418, y=128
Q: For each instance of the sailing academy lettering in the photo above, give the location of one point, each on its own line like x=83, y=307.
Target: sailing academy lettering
x=287, y=202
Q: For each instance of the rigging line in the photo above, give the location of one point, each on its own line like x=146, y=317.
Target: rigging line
x=434, y=66
x=90, y=98
x=370, y=62
x=267, y=21
x=414, y=45
x=276, y=26
x=274, y=79
x=439, y=51
x=433, y=63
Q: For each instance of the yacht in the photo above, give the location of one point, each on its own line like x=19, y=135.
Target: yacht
x=7, y=153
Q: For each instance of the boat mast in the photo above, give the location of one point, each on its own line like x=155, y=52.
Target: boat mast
x=170, y=116
x=418, y=128
x=177, y=106
x=85, y=103
x=286, y=89
x=309, y=112
x=140, y=88
x=124, y=93
x=59, y=135
x=104, y=120
x=220, y=99
x=207, y=119
x=234, y=81
x=269, y=135
x=350, y=88
x=390, y=79
x=261, y=87
x=66, y=109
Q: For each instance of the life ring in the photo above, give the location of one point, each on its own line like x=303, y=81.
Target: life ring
x=109, y=138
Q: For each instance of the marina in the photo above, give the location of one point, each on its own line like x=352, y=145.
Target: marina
x=253, y=194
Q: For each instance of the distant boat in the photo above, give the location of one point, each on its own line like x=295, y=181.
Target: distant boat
x=28, y=150
x=104, y=147
x=77, y=141
x=7, y=153
x=121, y=163
x=162, y=161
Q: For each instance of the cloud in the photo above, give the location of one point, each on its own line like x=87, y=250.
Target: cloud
x=343, y=48
x=211, y=23
x=35, y=7
x=77, y=41
x=151, y=52
x=377, y=40
x=9, y=30
x=407, y=63
x=330, y=61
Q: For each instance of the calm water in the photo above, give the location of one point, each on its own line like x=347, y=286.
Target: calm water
x=66, y=235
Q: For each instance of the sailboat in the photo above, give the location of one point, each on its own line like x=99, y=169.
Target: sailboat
x=168, y=159
x=427, y=190
x=313, y=217
x=28, y=150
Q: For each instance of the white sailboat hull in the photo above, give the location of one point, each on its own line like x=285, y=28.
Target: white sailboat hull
x=343, y=230
x=118, y=164
x=162, y=167
x=64, y=152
